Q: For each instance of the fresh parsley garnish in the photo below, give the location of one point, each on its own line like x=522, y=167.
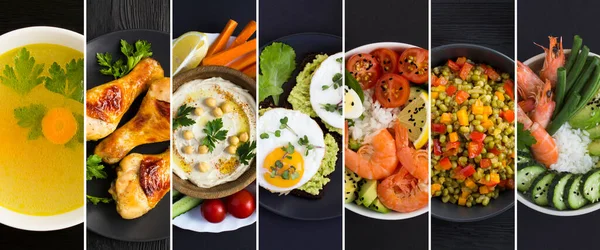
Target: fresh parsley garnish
x=181, y=119
x=337, y=82
x=245, y=152
x=25, y=75
x=134, y=54
x=213, y=133
x=524, y=137
x=339, y=59
x=333, y=107
x=94, y=168
x=97, y=200
x=31, y=117
x=79, y=134
x=67, y=82
x=277, y=62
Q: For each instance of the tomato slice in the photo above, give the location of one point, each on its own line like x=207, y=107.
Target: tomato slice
x=437, y=147
x=438, y=128
x=461, y=96
x=453, y=66
x=452, y=148
x=477, y=136
x=413, y=65
x=387, y=58
x=509, y=88
x=474, y=149
x=464, y=71
x=450, y=90
x=392, y=90
x=365, y=68
x=492, y=74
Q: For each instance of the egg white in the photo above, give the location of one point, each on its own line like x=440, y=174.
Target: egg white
x=318, y=97
x=302, y=125
x=353, y=107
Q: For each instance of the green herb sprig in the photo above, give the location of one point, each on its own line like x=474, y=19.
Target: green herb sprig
x=94, y=168
x=337, y=82
x=333, y=107
x=282, y=125
x=303, y=141
x=97, y=200
x=181, y=119
x=213, y=133
x=133, y=53
x=245, y=152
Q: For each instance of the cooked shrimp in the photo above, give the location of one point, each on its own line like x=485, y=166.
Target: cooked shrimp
x=415, y=161
x=528, y=83
x=373, y=161
x=544, y=150
x=555, y=58
x=527, y=105
x=544, y=106
x=402, y=192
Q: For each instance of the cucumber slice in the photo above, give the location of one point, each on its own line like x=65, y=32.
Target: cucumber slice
x=175, y=193
x=523, y=157
x=527, y=175
x=573, y=197
x=557, y=190
x=185, y=204
x=539, y=188
x=591, y=186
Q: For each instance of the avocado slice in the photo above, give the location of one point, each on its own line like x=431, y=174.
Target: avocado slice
x=367, y=192
x=594, y=147
x=377, y=206
x=588, y=116
x=594, y=132
x=350, y=185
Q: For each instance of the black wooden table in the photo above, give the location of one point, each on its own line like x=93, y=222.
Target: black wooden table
x=278, y=19
x=534, y=229
x=488, y=23
x=186, y=18
x=42, y=13
x=378, y=21
x=107, y=16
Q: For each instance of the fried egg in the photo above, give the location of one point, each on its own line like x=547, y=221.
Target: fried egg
x=281, y=169
x=323, y=90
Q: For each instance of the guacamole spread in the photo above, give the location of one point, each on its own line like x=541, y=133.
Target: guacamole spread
x=318, y=181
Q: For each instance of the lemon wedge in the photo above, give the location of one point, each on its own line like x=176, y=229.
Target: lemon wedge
x=188, y=51
x=414, y=118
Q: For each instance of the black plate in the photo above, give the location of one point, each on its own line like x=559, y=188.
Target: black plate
x=453, y=212
x=330, y=205
x=103, y=219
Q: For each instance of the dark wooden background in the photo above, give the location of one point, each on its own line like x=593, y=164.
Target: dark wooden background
x=106, y=16
x=378, y=21
x=488, y=23
x=41, y=13
x=538, y=19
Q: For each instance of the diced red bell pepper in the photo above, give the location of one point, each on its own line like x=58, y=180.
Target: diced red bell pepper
x=441, y=81
x=437, y=147
x=453, y=66
x=434, y=80
x=495, y=151
x=474, y=148
x=509, y=115
x=452, y=148
x=450, y=90
x=461, y=61
x=464, y=71
x=477, y=136
x=467, y=171
x=438, y=128
x=485, y=163
x=491, y=73
x=461, y=96
x=509, y=88
x=445, y=163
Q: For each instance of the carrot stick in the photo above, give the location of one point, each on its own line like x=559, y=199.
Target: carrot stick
x=231, y=54
x=250, y=71
x=223, y=38
x=244, y=61
x=246, y=33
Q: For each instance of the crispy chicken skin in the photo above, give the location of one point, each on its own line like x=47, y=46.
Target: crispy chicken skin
x=150, y=124
x=106, y=104
x=142, y=181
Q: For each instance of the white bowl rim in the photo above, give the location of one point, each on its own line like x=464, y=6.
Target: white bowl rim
x=546, y=210
x=367, y=48
x=58, y=221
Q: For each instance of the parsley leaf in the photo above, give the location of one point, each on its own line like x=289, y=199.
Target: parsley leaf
x=97, y=200
x=524, y=137
x=213, y=133
x=79, y=134
x=245, y=152
x=25, y=75
x=69, y=82
x=94, y=168
x=31, y=117
x=277, y=62
x=133, y=54
x=117, y=70
x=181, y=119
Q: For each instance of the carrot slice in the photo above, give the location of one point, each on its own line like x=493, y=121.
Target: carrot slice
x=231, y=54
x=219, y=44
x=250, y=71
x=245, y=34
x=244, y=61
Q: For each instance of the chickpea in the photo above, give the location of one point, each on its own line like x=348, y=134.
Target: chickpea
x=231, y=149
x=198, y=111
x=211, y=102
x=244, y=137
x=203, y=149
x=234, y=140
x=188, y=149
x=203, y=167
x=188, y=135
x=227, y=107
x=217, y=112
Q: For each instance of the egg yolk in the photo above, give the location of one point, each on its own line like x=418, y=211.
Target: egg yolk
x=283, y=170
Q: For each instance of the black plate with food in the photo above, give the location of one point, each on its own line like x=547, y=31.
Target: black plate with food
x=103, y=218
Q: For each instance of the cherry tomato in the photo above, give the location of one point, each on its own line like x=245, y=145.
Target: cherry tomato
x=387, y=58
x=477, y=136
x=213, y=210
x=413, y=65
x=474, y=149
x=241, y=204
x=392, y=91
x=365, y=68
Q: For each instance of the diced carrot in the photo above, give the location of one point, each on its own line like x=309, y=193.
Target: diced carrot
x=434, y=94
x=435, y=187
x=245, y=34
x=465, y=193
x=500, y=95
x=250, y=71
x=453, y=136
x=463, y=117
x=231, y=54
x=446, y=118
x=487, y=123
x=495, y=178
x=462, y=201
x=244, y=61
x=484, y=190
x=470, y=183
x=219, y=44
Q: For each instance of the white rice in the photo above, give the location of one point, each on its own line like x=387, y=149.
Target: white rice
x=573, y=156
x=374, y=119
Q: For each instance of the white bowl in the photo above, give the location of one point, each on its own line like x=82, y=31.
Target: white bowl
x=536, y=63
x=398, y=47
x=9, y=41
